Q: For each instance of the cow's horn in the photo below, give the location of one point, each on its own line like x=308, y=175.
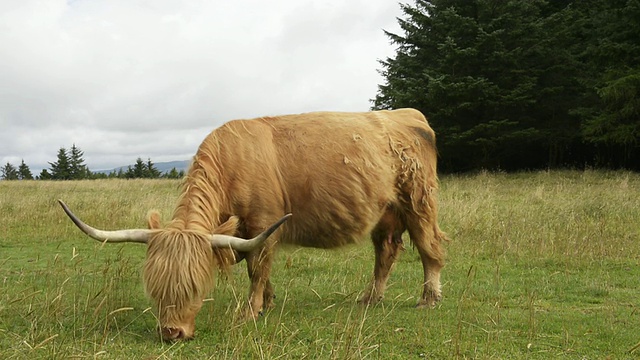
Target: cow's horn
x=245, y=245
x=118, y=236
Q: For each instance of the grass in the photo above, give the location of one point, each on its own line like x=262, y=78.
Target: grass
x=541, y=265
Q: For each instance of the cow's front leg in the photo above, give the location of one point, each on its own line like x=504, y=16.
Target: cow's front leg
x=260, y=290
x=268, y=296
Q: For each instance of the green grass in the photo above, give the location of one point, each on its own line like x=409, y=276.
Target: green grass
x=541, y=265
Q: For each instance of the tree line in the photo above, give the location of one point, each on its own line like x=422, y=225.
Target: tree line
x=521, y=84
x=70, y=165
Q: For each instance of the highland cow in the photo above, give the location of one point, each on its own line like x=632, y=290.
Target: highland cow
x=343, y=176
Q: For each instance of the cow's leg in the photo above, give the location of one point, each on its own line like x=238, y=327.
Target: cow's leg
x=387, y=248
x=426, y=238
x=268, y=296
x=260, y=291
x=259, y=262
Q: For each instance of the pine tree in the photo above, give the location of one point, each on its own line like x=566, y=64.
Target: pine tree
x=521, y=84
x=139, y=169
x=612, y=57
x=129, y=174
x=151, y=171
x=9, y=172
x=24, y=173
x=44, y=175
x=172, y=174
x=77, y=169
x=60, y=169
x=497, y=79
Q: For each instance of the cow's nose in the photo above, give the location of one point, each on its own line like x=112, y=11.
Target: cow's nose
x=172, y=334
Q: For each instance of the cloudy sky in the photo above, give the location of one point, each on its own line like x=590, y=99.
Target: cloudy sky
x=124, y=79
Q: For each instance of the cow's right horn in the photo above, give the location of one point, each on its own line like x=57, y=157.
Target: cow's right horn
x=245, y=245
x=118, y=236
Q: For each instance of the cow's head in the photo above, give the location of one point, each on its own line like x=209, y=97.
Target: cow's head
x=180, y=265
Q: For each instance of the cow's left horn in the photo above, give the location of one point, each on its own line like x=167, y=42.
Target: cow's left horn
x=245, y=245
x=118, y=236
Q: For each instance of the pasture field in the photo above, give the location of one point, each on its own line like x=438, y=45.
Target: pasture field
x=540, y=265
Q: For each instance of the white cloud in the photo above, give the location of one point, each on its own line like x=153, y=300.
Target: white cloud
x=123, y=79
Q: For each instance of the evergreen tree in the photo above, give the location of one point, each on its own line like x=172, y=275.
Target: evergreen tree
x=24, y=173
x=151, y=171
x=61, y=169
x=172, y=174
x=521, y=84
x=612, y=58
x=9, y=172
x=44, y=175
x=129, y=174
x=139, y=169
x=474, y=68
x=77, y=169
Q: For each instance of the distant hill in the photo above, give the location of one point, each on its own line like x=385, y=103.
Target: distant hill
x=163, y=167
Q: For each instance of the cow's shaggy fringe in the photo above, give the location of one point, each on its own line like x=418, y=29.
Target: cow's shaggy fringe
x=181, y=277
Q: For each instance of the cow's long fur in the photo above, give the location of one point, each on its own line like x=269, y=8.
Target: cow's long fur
x=342, y=175
x=181, y=263
x=179, y=279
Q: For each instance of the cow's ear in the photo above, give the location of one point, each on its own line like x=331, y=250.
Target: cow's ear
x=229, y=227
x=153, y=220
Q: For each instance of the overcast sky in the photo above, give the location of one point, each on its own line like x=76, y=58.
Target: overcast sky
x=124, y=79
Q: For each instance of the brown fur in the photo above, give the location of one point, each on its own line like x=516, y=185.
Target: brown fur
x=342, y=175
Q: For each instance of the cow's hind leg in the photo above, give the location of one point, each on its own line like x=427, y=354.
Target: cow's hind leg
x=427, y=239
x=387, y=246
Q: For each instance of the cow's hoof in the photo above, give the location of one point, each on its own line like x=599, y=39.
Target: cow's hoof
x=246, y=315
x=268, y=304
x=430, y=302
x=369, y=300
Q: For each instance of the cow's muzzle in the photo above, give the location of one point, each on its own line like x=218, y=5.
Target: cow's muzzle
x=175, y=334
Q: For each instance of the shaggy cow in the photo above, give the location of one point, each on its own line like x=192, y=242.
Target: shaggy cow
x=343, y=176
